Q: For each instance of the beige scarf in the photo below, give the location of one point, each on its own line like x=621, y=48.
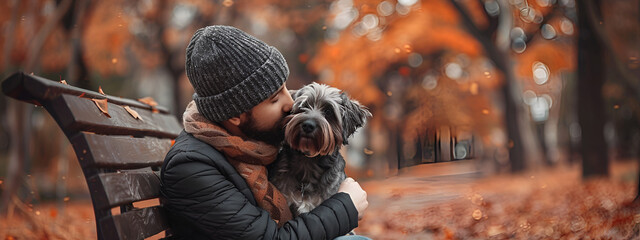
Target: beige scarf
x=250, y=159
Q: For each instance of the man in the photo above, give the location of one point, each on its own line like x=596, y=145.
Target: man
x=214, y=179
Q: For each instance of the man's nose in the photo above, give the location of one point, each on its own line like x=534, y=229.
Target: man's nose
x=288, y=103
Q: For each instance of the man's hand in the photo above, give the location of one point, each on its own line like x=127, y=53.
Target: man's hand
x=358, y=196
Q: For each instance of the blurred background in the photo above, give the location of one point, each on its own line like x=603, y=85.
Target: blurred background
x=486, y=90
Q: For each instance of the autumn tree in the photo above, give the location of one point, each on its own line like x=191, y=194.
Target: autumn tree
x=125, y=47
x=591, y=75
x=33, y=41
x=450, y=61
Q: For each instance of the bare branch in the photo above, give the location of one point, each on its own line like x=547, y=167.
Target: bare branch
x=545, y=20
x=8, y=43
x=628, y=79
x=493, y=22
x=36, y=44
x=485, y=41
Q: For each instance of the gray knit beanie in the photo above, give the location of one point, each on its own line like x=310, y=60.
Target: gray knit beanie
x=232, y=71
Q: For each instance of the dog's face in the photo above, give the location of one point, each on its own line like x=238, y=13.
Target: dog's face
x=321, y=120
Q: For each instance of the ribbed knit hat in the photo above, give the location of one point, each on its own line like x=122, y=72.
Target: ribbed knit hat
x=232, y=71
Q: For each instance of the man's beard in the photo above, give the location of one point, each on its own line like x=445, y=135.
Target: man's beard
x=273, y=136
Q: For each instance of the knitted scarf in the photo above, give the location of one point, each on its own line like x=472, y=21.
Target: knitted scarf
x=249, y=158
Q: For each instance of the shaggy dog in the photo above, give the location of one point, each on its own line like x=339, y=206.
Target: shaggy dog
x=310, y=168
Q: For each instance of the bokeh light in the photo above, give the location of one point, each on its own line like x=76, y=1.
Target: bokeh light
x=492, y=7
x=385, y=8
x=415, y=60
x=430, y=82
x=407, y=3
x=548, y=32
x=540, y=73
x=453, y=70
x=402, y=9
x=566, y=26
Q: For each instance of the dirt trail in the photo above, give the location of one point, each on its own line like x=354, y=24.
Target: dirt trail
x=441, y=202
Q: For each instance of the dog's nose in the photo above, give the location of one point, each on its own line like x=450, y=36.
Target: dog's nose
x=308, y=126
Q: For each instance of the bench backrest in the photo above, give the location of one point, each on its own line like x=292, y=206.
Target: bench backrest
x=120, y=154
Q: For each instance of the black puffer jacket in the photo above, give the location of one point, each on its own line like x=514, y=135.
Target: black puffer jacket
x=206, y=198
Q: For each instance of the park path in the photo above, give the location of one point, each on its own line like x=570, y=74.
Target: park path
x=455, y=201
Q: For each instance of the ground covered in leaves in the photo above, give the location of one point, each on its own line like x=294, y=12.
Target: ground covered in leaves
x=427, y=203
x=544, y=204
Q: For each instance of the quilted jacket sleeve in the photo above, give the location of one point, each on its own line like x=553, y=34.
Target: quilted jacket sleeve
x=201, y=197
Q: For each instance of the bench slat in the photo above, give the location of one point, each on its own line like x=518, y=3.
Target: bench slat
x=135, y=224
x=110, y=190
x=76, y=114
x=35, y=89
x=119, y=152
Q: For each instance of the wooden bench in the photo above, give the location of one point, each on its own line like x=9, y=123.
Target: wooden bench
x=120, y=155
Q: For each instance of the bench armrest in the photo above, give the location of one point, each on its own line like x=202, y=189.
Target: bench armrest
x=34, y=89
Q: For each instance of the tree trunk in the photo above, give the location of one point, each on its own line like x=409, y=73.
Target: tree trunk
x=591, y=67
x=9, y=29
x=515, y=142
x=498, y=52
x=637, y=155
x=18, y=149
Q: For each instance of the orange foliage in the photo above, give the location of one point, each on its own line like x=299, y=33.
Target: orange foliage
x=557, y=57
x=56, y=52
x=31, y=17
x=105, y=37
x=355, y=61
x=360, y=65
x=431, y=27
x=554, y=204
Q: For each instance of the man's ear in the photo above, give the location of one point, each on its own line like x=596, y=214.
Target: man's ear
x=236, y=121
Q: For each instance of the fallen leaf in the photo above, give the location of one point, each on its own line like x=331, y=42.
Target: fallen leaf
x=133, y=113
x=477, y=214
x=81, y=95
x=368, y=151
x=100, y=90
x=173, y=141
x=149, y=101
x=102, y=105
x=64, y=82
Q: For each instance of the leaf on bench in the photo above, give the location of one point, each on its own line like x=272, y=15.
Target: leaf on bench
x=100, y=90
x=64, y=82
x=133, y=113
x=151, y=102
x=102, y=105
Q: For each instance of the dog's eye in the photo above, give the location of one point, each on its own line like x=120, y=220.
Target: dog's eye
x=328, y=112
x=296, y=110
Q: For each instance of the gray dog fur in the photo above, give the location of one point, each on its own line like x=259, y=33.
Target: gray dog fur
x=310, y=167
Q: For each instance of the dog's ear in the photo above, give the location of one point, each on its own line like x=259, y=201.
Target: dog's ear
x=293, y=92
x=353, y=117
